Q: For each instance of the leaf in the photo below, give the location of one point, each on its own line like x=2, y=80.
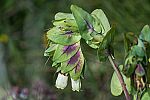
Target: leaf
x=97, y=24
x=141, y=44
x=79, y=68
x=116, y=88
x=138, y=51
x=84, y=21
x=63, y=37
x=102, y=19
x=145, y=34
x=146, y=95
x=106, y=45
x=64, y=53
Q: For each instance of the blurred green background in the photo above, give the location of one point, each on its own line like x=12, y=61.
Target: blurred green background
x=23, y=24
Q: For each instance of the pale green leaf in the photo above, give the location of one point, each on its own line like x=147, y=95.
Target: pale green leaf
x=60, y=16
x=116, y=88
x=67, y=24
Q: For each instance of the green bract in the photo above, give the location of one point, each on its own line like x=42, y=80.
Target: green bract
x=50, y=50
x=61, y=37
x=84, y=21
x=61, y=55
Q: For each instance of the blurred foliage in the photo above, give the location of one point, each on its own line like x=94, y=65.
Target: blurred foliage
x=24, y=23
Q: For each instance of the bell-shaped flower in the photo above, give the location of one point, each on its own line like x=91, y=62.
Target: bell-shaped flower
x=76, y=84
x=61, y=81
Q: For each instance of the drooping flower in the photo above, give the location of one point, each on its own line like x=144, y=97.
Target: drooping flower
x=61, y=81
x=73, y=67
x=76, y=84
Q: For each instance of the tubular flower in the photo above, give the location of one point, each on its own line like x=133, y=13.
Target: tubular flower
x=76, y=85
x=61, y=81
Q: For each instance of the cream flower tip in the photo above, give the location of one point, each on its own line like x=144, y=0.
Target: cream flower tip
x=61, y=81
x=76, y=85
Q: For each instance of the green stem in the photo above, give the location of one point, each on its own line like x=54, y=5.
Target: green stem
x=119, y=77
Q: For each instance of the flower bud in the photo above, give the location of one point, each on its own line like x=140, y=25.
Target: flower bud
x=76, y=85
x=139, y=70
x=61, y=81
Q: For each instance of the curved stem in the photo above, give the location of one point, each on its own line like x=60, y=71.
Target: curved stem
x=119, y=77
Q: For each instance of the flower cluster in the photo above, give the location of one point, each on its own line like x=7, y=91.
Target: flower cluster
x=64, y=42
x=64, y=46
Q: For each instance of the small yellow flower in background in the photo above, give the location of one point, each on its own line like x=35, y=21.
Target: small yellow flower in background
x=149, y=60
x=3, y=38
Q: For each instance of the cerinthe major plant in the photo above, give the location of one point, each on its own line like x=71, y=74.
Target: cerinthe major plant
x=64, y=47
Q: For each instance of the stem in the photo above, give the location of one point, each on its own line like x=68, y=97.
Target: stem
x=119, y=77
